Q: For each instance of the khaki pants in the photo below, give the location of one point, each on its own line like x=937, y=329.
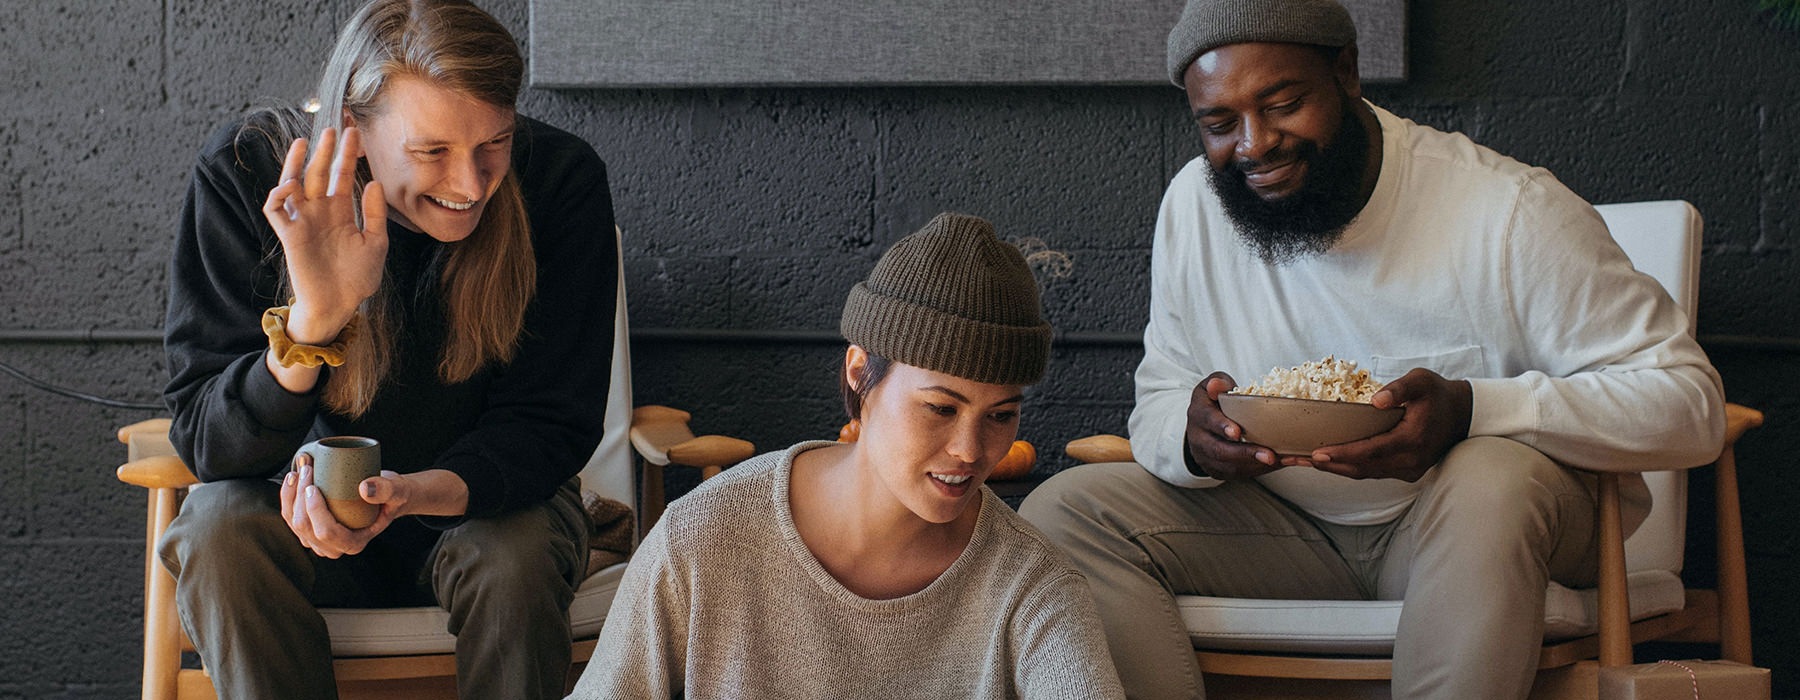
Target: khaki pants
x=1494, y=523
x=248, y=592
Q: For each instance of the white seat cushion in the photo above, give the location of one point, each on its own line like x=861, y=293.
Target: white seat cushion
x=402, y=631
x=1576, y=613
x=1367, y=627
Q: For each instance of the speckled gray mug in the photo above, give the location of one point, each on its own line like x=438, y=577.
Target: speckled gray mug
x=339, y=466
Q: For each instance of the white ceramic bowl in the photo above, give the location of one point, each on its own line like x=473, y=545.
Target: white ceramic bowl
x=1298, y=426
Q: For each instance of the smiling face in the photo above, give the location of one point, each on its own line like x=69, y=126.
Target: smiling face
x=933, y=438
x=1287, y=142
x=1260, y=105
x=438, y=154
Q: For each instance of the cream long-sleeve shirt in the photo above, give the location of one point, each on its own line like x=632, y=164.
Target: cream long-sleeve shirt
x=1464, y=262
x=724, y=600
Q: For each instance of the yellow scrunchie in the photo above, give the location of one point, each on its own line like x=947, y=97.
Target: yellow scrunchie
x=289, y=353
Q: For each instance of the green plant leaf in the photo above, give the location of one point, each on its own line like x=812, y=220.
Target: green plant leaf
x=1785, y=11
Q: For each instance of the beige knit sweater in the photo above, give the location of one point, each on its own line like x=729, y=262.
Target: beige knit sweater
x=724, y=600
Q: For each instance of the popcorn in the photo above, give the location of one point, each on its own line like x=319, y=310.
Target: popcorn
x=1330, y=379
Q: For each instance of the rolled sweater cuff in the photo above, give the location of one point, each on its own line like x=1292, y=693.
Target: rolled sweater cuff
x=272, y=406
x=1503, y=408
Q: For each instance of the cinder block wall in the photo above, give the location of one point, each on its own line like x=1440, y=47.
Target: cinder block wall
x=755, y=209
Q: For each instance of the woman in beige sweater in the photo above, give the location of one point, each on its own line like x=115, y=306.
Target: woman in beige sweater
x=884, y=567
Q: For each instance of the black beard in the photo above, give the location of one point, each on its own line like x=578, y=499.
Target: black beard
x=1312, y=219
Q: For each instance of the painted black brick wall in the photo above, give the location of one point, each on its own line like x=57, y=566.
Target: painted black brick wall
x=755, y=209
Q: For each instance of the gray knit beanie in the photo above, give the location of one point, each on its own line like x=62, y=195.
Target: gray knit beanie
x=953, y=298
x=1208, y=24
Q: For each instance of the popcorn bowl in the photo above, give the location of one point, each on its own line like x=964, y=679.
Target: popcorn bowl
x=1295, y=427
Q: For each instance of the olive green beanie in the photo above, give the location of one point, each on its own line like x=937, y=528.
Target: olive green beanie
x=956, y=299
x=1209, y=24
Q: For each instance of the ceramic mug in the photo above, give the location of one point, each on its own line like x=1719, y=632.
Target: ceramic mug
x=340, y=464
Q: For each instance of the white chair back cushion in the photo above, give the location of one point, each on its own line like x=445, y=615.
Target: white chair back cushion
x=1662, y=239
x=612, y=471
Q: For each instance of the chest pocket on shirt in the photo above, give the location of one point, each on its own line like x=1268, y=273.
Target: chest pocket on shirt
x=1457, y=363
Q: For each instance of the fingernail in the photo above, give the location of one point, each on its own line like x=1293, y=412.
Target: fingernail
x=289, y=481
x=368, y=490
x=313, y=492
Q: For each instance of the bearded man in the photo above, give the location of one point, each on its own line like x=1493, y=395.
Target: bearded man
x=1505, y=321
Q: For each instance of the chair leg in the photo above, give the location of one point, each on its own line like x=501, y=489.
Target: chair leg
x=1734, y=597
x=194, y=684
x=1615, y=601
x=162, y=628
x=651, y=500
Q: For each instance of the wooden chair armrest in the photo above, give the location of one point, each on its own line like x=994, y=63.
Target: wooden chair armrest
x=654, y=429
x=1739, y=420
x=160, y=472
x=711, y=451
x=662, y=436
x=1100, y=448
x=154, y=426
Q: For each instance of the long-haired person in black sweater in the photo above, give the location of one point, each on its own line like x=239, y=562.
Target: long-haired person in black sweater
x=416, y=263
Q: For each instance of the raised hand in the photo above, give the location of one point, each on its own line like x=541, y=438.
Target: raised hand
x=1213, y=441
x=333, y=262
x=1436, y=418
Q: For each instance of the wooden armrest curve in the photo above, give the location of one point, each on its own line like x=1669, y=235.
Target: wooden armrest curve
x=1739, y=420
x=662, y=436
x=1100, y=448
x=154, y=426
x=711, y=451
x=161, y=472
x=655, y=429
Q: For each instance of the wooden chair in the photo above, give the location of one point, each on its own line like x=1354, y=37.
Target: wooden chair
x=401, y=653
x=1290, y=648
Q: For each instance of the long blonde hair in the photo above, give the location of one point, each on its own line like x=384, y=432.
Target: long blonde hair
x=487, y=279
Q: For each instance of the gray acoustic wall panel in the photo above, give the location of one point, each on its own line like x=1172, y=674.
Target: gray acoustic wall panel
x=703, y=43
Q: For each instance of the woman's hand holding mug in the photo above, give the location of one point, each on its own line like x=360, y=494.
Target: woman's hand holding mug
x=325, y=498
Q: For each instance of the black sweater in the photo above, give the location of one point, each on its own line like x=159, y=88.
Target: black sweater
x=514, y=433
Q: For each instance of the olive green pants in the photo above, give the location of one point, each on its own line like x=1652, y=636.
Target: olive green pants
x=249, y=593
x=1495, y=522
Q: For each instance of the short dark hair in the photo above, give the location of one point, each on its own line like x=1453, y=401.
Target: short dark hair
x=875, y=370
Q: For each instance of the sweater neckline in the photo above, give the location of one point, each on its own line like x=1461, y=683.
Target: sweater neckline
x=1379, y=209
x=803, y=557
